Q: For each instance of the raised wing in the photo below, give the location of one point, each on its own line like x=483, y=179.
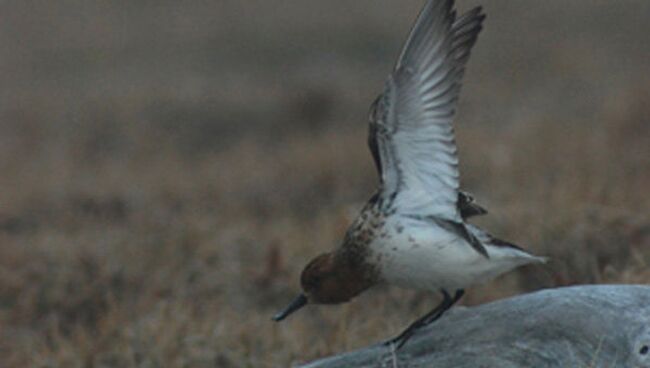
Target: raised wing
x=411, y=135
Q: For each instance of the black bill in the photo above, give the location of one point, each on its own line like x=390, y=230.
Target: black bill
x=296, y=304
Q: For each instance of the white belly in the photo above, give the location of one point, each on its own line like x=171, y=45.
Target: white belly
x=425, y=256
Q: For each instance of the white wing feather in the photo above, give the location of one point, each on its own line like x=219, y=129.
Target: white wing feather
x=412, y=120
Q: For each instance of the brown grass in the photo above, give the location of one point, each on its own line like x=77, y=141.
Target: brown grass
x=168, y=169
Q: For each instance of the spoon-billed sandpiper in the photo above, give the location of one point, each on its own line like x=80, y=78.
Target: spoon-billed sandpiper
x=413, y=231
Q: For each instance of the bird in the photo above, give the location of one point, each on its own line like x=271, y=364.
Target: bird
x=413, y=231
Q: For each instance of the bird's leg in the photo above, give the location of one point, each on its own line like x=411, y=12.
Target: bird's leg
x=406, y=334
x=451, y=301
x=434, y=314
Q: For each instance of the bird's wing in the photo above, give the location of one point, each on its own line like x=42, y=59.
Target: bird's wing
x=468, y=207
x=411, y=136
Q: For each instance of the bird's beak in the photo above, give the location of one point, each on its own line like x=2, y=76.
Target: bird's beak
x=296, y=304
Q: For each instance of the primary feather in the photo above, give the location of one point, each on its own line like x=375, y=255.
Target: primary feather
x=411, y=136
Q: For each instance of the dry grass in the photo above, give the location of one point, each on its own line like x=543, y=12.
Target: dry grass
x=167, y=170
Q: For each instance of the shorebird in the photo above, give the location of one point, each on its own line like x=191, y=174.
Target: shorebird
x=413, y=232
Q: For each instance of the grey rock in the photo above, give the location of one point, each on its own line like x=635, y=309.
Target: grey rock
x=590, y=326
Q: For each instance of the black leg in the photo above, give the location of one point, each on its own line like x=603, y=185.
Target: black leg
x=451, y=301
x=434, y=314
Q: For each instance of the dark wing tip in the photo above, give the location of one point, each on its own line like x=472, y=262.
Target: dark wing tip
x=502, y=243
x=468, y=207
x=471, y=210
x=461, y=230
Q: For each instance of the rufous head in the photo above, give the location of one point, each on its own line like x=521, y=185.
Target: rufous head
x=328, y=279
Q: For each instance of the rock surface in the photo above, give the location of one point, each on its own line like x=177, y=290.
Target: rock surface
x=580, y=326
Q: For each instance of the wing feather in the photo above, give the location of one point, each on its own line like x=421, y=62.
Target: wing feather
x=411, y=135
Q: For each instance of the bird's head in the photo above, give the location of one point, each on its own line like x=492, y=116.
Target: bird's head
x=327, y=279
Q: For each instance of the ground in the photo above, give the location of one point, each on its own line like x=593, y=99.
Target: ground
x=168, y=168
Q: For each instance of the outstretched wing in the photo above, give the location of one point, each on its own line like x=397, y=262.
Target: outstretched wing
x=411, y=135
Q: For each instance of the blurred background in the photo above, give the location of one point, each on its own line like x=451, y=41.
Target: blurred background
x=168, y=167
